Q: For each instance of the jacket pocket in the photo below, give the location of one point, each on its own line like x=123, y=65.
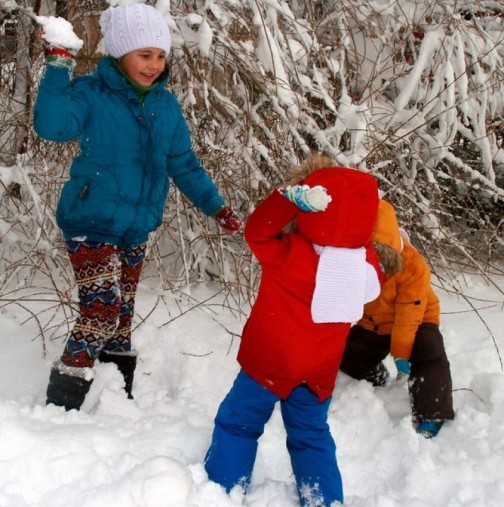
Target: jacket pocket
x=85, y=205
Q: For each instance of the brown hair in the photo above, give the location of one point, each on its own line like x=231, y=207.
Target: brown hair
x=313, y=163
x=299, y=172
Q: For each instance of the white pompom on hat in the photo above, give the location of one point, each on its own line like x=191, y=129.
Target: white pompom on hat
x=135, y=26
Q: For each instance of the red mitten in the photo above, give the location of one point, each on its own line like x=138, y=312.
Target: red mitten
x=59, y=41
x=59, y=57
x=228, y=220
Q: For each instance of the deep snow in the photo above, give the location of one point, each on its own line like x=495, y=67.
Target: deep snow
x=148, y=452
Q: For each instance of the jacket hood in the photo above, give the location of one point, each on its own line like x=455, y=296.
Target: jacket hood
x=349, y=218
x=386, y=229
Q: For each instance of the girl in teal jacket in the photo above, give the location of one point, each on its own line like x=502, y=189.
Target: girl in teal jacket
x=133, y=140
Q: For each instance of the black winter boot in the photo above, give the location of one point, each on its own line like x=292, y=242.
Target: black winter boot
x=126, y=364
x=379, y=376
x=65, y=390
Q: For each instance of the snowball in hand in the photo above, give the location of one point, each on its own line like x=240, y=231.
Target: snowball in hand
x=59, y=32
x=308, y=198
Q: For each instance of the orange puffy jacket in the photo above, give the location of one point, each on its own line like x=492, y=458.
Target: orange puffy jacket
x=406, y=300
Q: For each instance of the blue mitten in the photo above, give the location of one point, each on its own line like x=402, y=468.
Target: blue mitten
x=307, y=198
x=403, y=369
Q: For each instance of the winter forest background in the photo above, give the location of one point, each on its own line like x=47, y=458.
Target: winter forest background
x=411, y=91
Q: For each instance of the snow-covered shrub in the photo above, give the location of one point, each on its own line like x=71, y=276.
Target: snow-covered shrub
x=408, y=90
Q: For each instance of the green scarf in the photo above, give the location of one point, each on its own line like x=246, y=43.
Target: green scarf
x=140, y=90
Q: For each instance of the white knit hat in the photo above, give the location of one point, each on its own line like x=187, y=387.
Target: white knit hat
x=135, y=26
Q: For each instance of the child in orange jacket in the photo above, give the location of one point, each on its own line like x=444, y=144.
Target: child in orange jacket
x=404, y=321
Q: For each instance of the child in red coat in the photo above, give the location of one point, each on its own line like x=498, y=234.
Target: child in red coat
x=315, y=281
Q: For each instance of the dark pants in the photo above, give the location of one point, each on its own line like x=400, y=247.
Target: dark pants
x=430, y=385
x=240, y=423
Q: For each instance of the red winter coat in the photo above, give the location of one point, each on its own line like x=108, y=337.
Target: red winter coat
x=281, y=346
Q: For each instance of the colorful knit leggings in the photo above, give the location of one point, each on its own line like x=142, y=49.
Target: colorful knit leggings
x=107, y=279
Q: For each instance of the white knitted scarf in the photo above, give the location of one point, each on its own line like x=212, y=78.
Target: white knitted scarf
x=344, y=283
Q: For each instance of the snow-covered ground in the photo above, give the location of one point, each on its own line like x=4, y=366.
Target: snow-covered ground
x=148, y=452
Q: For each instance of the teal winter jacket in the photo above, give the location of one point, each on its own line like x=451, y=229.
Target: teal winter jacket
x=129, y=152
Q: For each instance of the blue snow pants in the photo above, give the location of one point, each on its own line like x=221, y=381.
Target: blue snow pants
x=240, y=422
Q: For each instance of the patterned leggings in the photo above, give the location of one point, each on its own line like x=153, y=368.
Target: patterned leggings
x=107, y=279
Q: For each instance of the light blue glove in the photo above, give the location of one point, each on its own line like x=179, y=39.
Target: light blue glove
x=403, y=369
x=307, y=198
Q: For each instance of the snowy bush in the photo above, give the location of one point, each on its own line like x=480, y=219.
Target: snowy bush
x=407, y=90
